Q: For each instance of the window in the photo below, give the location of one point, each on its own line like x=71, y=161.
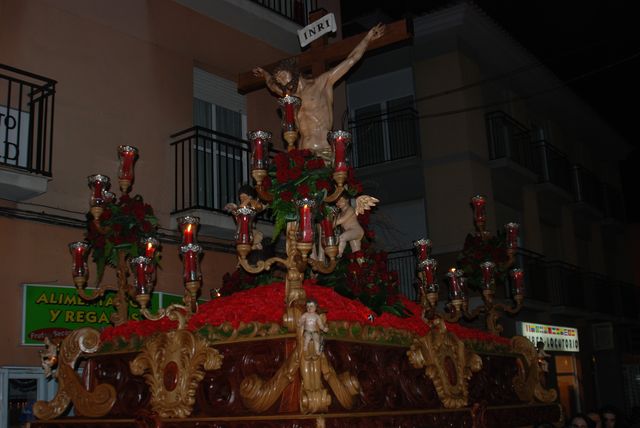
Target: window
x=385, y=131
x=221, y=157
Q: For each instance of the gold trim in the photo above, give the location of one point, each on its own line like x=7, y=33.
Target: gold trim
x=94, y=403
x=527, y=382
x=447, y=362
x=173, y=364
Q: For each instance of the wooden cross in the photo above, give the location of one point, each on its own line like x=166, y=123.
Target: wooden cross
x=320, y=56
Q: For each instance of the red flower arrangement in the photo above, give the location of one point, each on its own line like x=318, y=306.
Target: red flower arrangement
x=476, y=251
x=122, y=224
x=296, y=175
x=265, y=304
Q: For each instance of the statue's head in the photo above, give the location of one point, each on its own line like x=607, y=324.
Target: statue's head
x=287, y=75
x=312, y=305
x=246, y=192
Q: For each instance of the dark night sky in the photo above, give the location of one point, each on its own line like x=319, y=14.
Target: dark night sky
x=601, y=38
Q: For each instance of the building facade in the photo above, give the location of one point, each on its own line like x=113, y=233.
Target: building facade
x=466, y=110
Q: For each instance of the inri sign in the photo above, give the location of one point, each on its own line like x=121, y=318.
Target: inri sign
x=317, y=29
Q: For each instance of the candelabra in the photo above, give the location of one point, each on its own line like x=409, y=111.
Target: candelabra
x=301, y=234
x=130, y=257
x=458, y=302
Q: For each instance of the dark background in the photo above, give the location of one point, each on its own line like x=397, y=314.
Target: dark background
x=594, y=46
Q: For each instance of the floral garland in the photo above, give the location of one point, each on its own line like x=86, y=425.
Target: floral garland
x=121, y=226
x=264, y=304
x=476, y=251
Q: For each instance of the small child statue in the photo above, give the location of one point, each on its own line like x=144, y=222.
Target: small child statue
x=311, y=324
x=542, y=362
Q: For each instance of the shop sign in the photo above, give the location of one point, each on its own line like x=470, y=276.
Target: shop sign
x=54, y=311
x=555, y=338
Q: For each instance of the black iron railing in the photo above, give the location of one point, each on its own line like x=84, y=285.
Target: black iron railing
x=587, y=188
x=385, y=137
x=294, y=10
x=209, y=167
x=404, y=263
x=509, y=139
x=26, y=120
x=554, y=166
x=535, y=278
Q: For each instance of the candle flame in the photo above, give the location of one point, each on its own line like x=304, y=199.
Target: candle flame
x=189, y=228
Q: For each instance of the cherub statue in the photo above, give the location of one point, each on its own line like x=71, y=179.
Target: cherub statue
x=311, y=324
x=49, y=356
x=248, y=198
x=542, y=362
x=315, y=116
x=352, y=232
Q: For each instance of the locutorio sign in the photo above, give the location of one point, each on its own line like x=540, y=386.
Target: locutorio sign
x=54, y=311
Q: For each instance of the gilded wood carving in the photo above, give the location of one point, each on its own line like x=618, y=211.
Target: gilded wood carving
x=173, y=364
x=527, y=383
x=447, y=362
x=310, y=362
x=94, y=403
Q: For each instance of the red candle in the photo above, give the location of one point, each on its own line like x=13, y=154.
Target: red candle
x=487, y=269
x=97, y=189
x=141, y=275
x=306, y=224
x=517, y=276
x=79, y=259
x=150, y=250
x=454, y=281
x=289, y=113
x=189, y=265
x=424, y=248
x=188, y=234
x=327, y=228
x=428, y=267
x=512, y=234
x=478, y=203
x=244, y=223
x=127, y=158
x=258, y=153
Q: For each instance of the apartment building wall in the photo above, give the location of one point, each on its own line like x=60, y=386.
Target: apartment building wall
x=125, y=76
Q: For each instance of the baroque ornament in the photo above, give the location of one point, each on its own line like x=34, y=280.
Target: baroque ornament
x=447, y=362
x=173, y=364
x=527, y=382
x=94, y=403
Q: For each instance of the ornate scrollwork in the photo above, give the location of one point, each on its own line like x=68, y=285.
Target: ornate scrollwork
x=527, y=382
x=173, y=364
x=94, y=403
x=259, y=395
x=447, y=362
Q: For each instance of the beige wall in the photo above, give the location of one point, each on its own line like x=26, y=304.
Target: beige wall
x=453, y=148
x=124, y=71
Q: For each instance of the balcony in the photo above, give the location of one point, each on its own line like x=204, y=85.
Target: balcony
x=404, y=262
x=587, y=189
x=26, y=133
x=209, y=168
x=384, y=137
x=294, y=10
x=554, y=167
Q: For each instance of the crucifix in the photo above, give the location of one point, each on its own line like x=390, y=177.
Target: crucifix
x=320, y=54
x=315, y=115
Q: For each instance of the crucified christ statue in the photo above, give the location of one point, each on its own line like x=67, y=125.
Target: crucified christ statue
x=315, y=116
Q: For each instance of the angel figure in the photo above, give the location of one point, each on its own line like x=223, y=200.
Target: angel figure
x=248, y=198
x=352, y=232
x=311, y=324
x=543, y=364
x=49, y=357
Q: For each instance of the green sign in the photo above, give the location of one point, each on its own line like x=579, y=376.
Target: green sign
x=54, y=311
